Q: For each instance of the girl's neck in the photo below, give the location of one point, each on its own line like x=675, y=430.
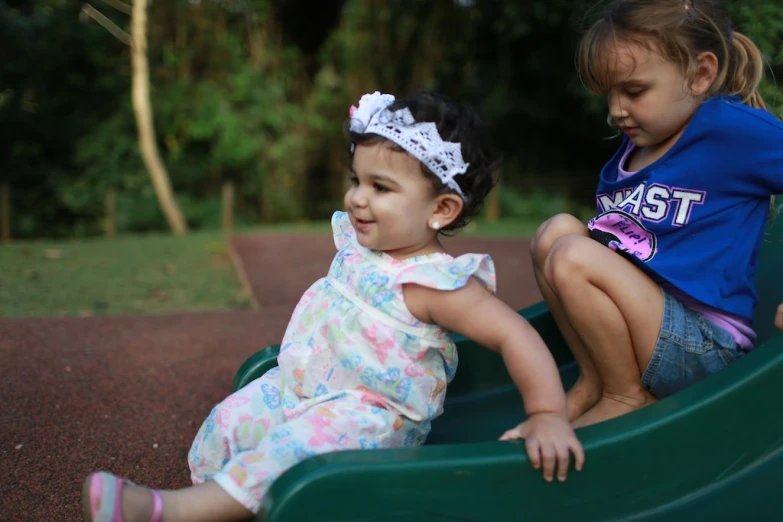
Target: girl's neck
x=401, y=254
x=642, y=157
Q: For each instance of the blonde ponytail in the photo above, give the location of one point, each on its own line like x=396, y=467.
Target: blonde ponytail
x=744, y=72
x=745, y=68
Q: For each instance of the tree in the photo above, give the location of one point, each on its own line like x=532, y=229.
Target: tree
x=253, y=93
x=143, y=110
x=142, y=106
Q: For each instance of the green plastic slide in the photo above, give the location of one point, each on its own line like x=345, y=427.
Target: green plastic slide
x=711, y=452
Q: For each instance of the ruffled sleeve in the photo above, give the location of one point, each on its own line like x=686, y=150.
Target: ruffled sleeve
x=342, y=230
x=451, y=273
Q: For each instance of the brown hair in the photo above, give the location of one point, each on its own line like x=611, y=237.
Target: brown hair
x=680, y=30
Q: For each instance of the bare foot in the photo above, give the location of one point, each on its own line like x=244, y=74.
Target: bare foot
x=582, y=396
x=611, y=406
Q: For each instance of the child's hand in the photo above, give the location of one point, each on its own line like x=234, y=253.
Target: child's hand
x=549, y=439
x=779, y=317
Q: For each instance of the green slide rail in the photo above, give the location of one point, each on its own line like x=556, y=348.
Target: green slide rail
x=711, y=452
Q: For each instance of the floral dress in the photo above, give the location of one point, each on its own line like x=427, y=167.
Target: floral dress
x=356, y=370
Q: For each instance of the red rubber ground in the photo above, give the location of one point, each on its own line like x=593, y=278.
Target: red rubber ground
x=127, y=394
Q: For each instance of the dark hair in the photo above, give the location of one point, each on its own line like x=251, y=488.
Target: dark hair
x=457, y=123
x=680, y=30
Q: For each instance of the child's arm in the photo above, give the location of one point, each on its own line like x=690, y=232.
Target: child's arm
x=779, y=317
x=475, y=313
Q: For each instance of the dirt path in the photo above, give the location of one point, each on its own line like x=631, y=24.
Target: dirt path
x=127, y=394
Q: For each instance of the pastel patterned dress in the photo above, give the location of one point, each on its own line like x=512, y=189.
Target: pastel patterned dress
x=356, y=370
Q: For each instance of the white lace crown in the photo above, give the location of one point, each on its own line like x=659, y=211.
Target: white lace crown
x=421, y=140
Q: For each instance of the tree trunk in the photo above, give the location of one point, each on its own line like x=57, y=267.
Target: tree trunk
x=111, y=212
x=146, y=131
x=181, y=43
x=267, y=211
x=493, y=204
x=228, y=206
x=5, y=213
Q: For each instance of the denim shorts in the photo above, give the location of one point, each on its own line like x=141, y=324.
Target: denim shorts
x=689, y=348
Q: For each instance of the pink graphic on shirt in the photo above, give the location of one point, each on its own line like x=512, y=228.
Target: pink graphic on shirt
x=623, y=233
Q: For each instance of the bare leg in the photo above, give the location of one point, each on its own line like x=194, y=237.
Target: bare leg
x=616, y=310
x=207, y=502
x=779, y=317
x=585, y=393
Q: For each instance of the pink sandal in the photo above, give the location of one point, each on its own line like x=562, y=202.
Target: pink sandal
x=102, y=499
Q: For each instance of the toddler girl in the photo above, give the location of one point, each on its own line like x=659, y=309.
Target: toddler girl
x=367, y=354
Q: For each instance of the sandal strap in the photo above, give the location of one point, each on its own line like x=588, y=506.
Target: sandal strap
x=105, y=497
x=157, y=507
x=117, y=513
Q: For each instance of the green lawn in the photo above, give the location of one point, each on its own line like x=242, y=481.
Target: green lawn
x=128, y=275
x=144, y=274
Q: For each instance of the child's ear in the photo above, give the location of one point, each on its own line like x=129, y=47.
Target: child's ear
x=448, y=207
x=706, y=73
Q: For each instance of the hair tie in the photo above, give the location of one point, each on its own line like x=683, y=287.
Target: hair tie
x=690, y=9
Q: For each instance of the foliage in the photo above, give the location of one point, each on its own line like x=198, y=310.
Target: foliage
x=254, y=92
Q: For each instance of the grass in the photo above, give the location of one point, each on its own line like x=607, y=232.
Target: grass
x=145, y=274
x=127, y=275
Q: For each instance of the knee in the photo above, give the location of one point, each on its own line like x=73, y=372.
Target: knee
x=566, y=262
x=549, y=231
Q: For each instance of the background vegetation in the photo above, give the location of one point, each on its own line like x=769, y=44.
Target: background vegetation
x=256, y=92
